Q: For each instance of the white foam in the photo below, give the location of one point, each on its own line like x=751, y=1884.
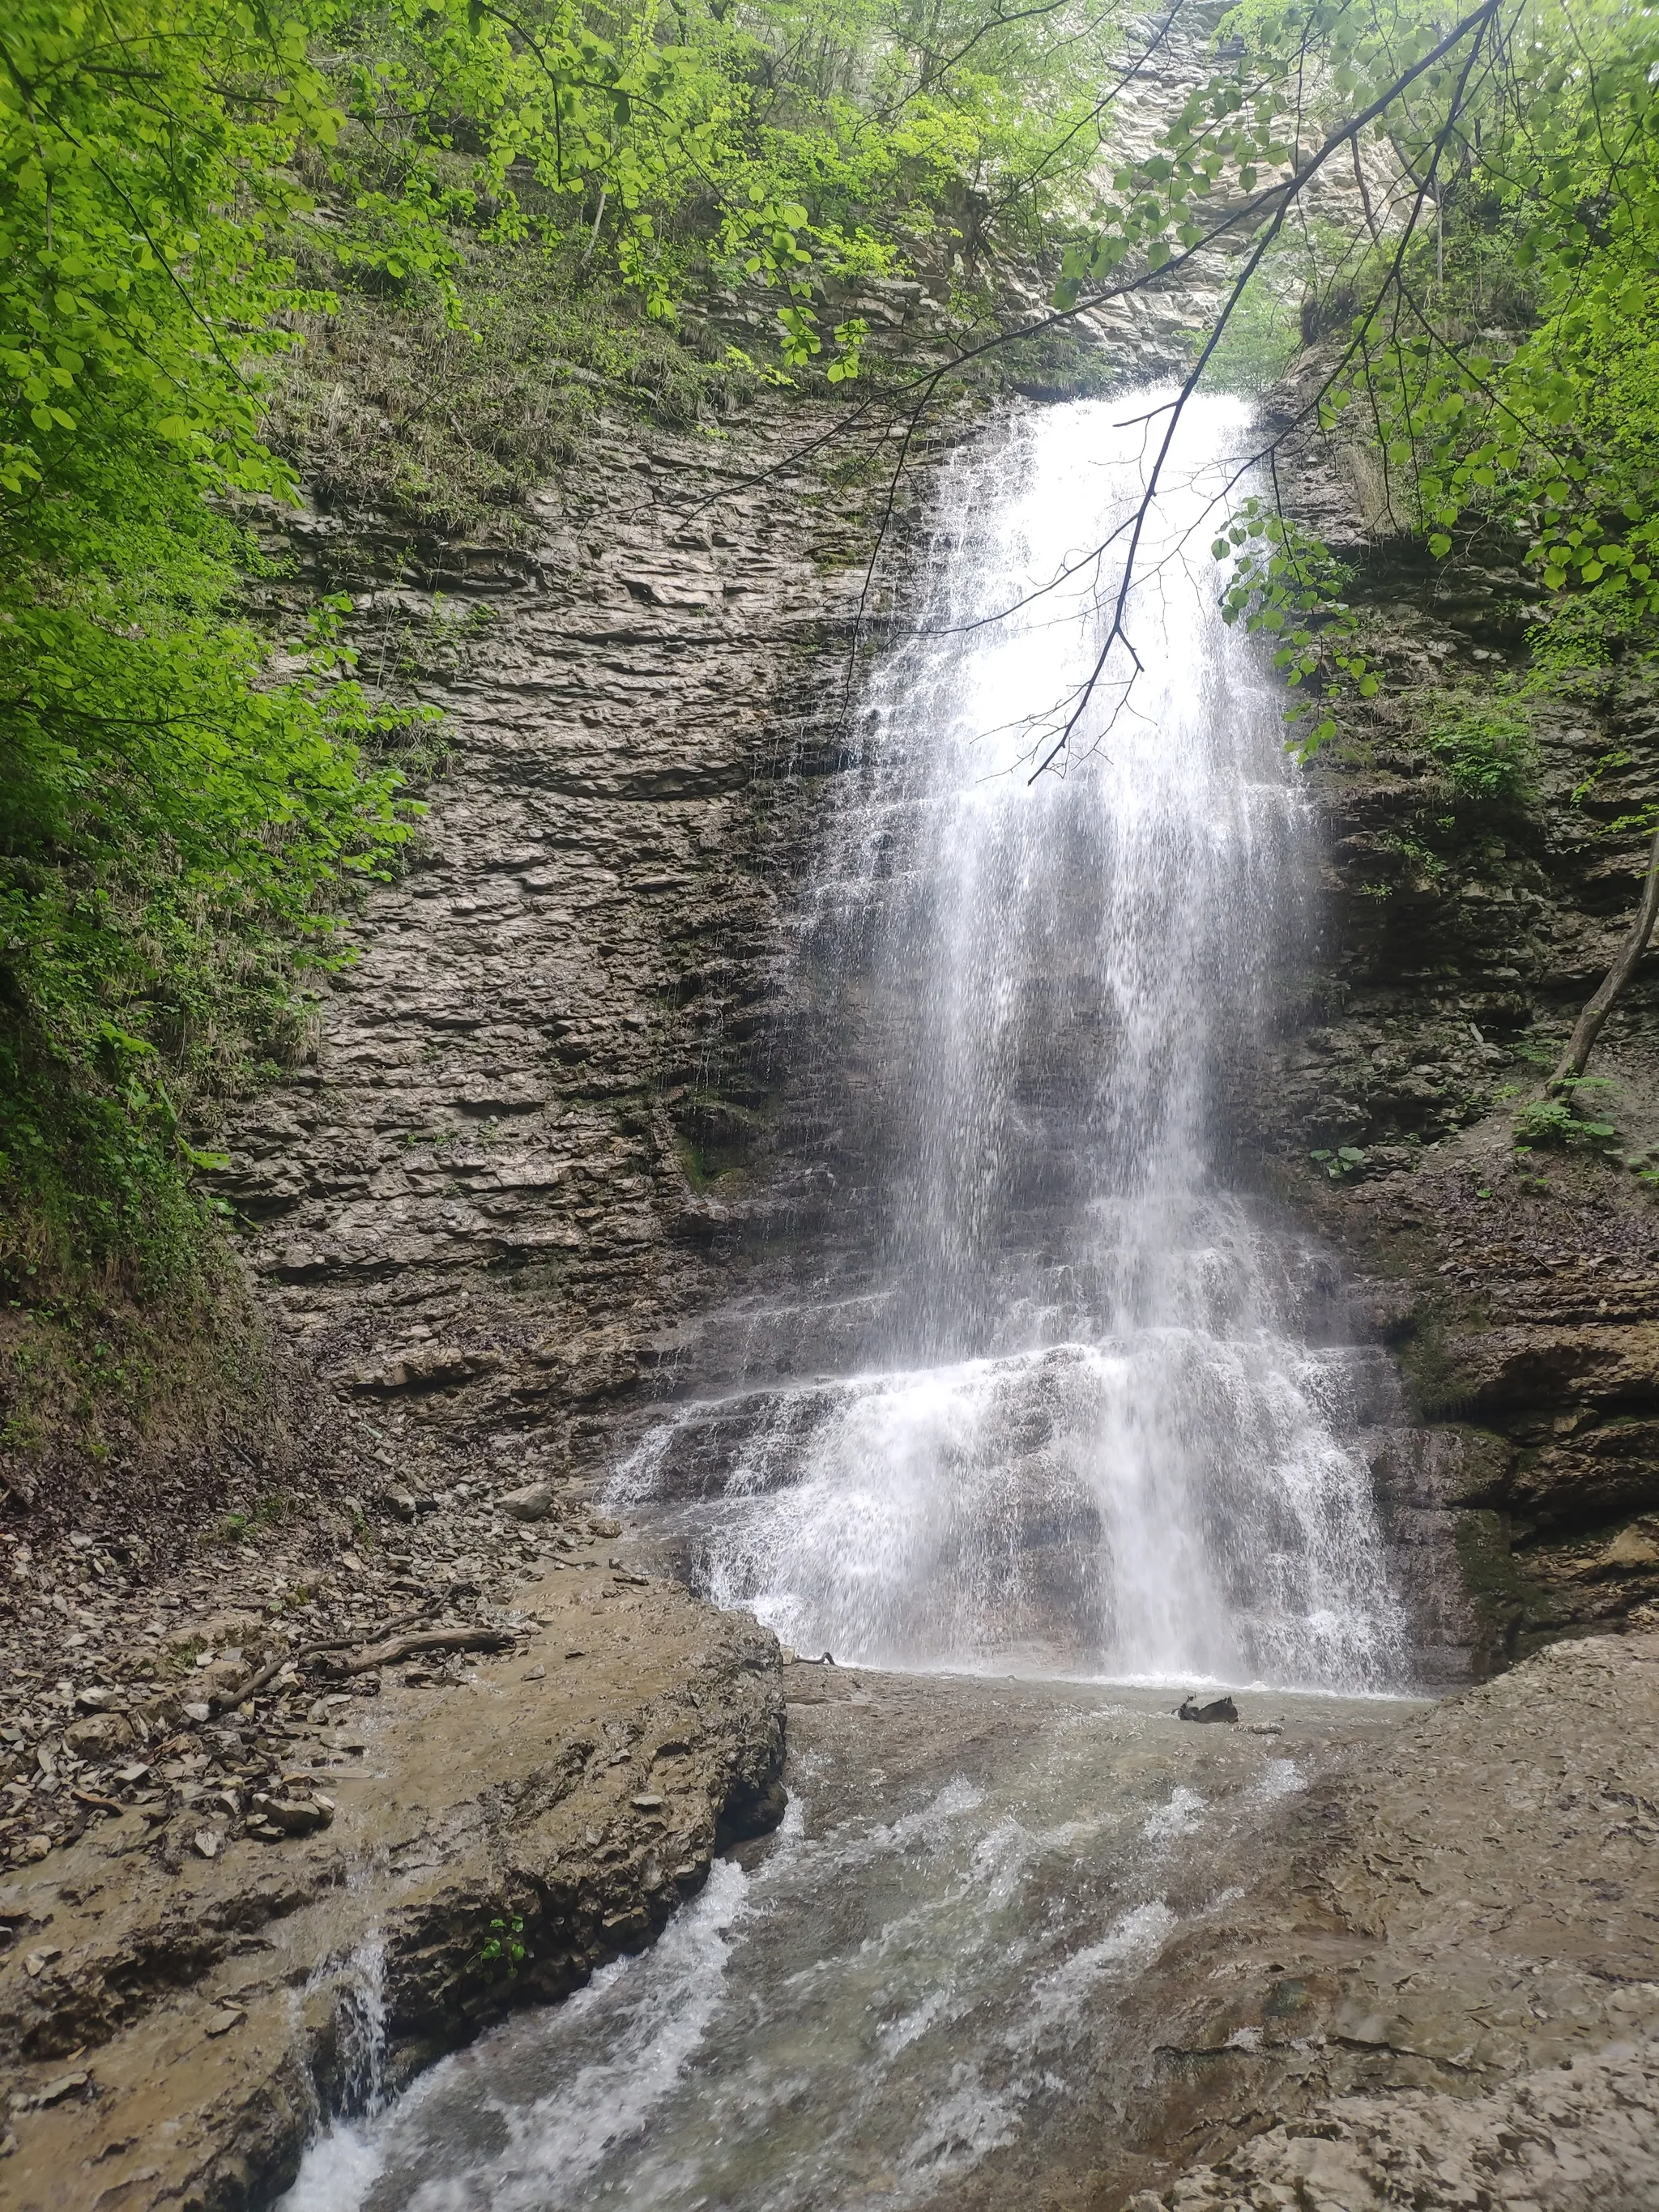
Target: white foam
x=661, y=2005
x=1060, y=1996
x=1183, y=1813
x=1279, y=1777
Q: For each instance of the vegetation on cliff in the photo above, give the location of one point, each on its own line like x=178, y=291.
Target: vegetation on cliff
x=198, y=194
x=396, y=249
x=1477, y=323
x=1488, y=296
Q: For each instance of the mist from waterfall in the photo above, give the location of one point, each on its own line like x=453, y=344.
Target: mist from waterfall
x=1081, y=1433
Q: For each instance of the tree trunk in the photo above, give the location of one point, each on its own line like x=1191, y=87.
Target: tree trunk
x=1588, y=1027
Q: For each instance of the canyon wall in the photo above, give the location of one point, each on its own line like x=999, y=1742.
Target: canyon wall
x=556, y=1113
x=485, y=1191
x=1510, y=1269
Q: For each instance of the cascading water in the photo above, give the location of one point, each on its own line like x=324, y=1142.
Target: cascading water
x=1075, y=1433
x=1080, y=1433
x=917, y=1996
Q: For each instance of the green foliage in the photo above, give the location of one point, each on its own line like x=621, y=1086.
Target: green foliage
x=196, y=195
x=390, y=405
x=1485, y=749
x=1286, y=587
x=1261, y=339
x=173, y=834
x=266, y=1513
x=1555, y=1124
x=674, y=144
x=503, y=1951
x=1489, y=326
x=175, y=813
x=1340, y=1165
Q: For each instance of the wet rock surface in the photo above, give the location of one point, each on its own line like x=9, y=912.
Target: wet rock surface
x=919, y=1968
x=1517, y=1295
x=1510, y=1267
x=1582, y=2135
x=1443, y=1991
x=183, y=1996
x=1039, y=1942
x=488, y=1187
x=1444, y=1978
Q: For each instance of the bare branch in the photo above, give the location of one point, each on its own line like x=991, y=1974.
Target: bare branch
x=1588, y=1026
x=1116, y=634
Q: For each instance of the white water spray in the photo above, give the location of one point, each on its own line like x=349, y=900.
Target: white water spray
x=1083, y=1433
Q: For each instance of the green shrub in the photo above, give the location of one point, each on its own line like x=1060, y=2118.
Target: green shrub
x=1552, y=1124
x=1484, y=751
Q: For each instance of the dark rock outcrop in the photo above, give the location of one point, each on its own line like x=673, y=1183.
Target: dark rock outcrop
x=499, y=1173
x=1511, y=1268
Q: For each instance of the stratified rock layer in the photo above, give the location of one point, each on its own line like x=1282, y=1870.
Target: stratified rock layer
x=1484, y=851
x=175, y=2040
x=1451, y=1997
x=484, y=1192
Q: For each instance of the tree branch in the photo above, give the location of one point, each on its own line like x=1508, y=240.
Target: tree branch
x=1588, y=1027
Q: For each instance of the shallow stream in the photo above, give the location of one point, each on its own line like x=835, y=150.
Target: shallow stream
x=908, y=1996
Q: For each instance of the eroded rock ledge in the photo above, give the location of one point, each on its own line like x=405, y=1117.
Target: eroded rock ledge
x=176, y=2041
x=1445, y=1993
x=494, y=1180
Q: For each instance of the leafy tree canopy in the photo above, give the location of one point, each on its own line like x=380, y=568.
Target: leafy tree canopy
x=1485, y=308
x=185, y=187
x=188, y=187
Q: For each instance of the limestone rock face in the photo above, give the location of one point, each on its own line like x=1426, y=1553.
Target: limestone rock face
x=471, y=1209
x=1453, y=1999
x=480, y=1195
x=1513, y=1272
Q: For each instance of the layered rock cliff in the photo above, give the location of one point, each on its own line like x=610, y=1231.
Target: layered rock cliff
x=1484, y=855
x=472, y=1201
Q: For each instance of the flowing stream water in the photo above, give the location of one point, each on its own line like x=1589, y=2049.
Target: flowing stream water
x=1065, y=1440
x=919, y=1993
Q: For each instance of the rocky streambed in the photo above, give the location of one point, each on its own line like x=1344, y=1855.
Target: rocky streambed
x=192, y=1983
x=1030, y=1937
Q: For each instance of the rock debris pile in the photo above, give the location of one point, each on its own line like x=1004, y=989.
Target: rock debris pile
x=517, y=1781
x=215, y=1706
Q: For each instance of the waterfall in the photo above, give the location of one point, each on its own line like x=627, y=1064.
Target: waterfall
x=357, y=1984
x=1081, y=1432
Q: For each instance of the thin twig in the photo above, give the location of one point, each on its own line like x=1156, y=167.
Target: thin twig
x=434, y=1639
